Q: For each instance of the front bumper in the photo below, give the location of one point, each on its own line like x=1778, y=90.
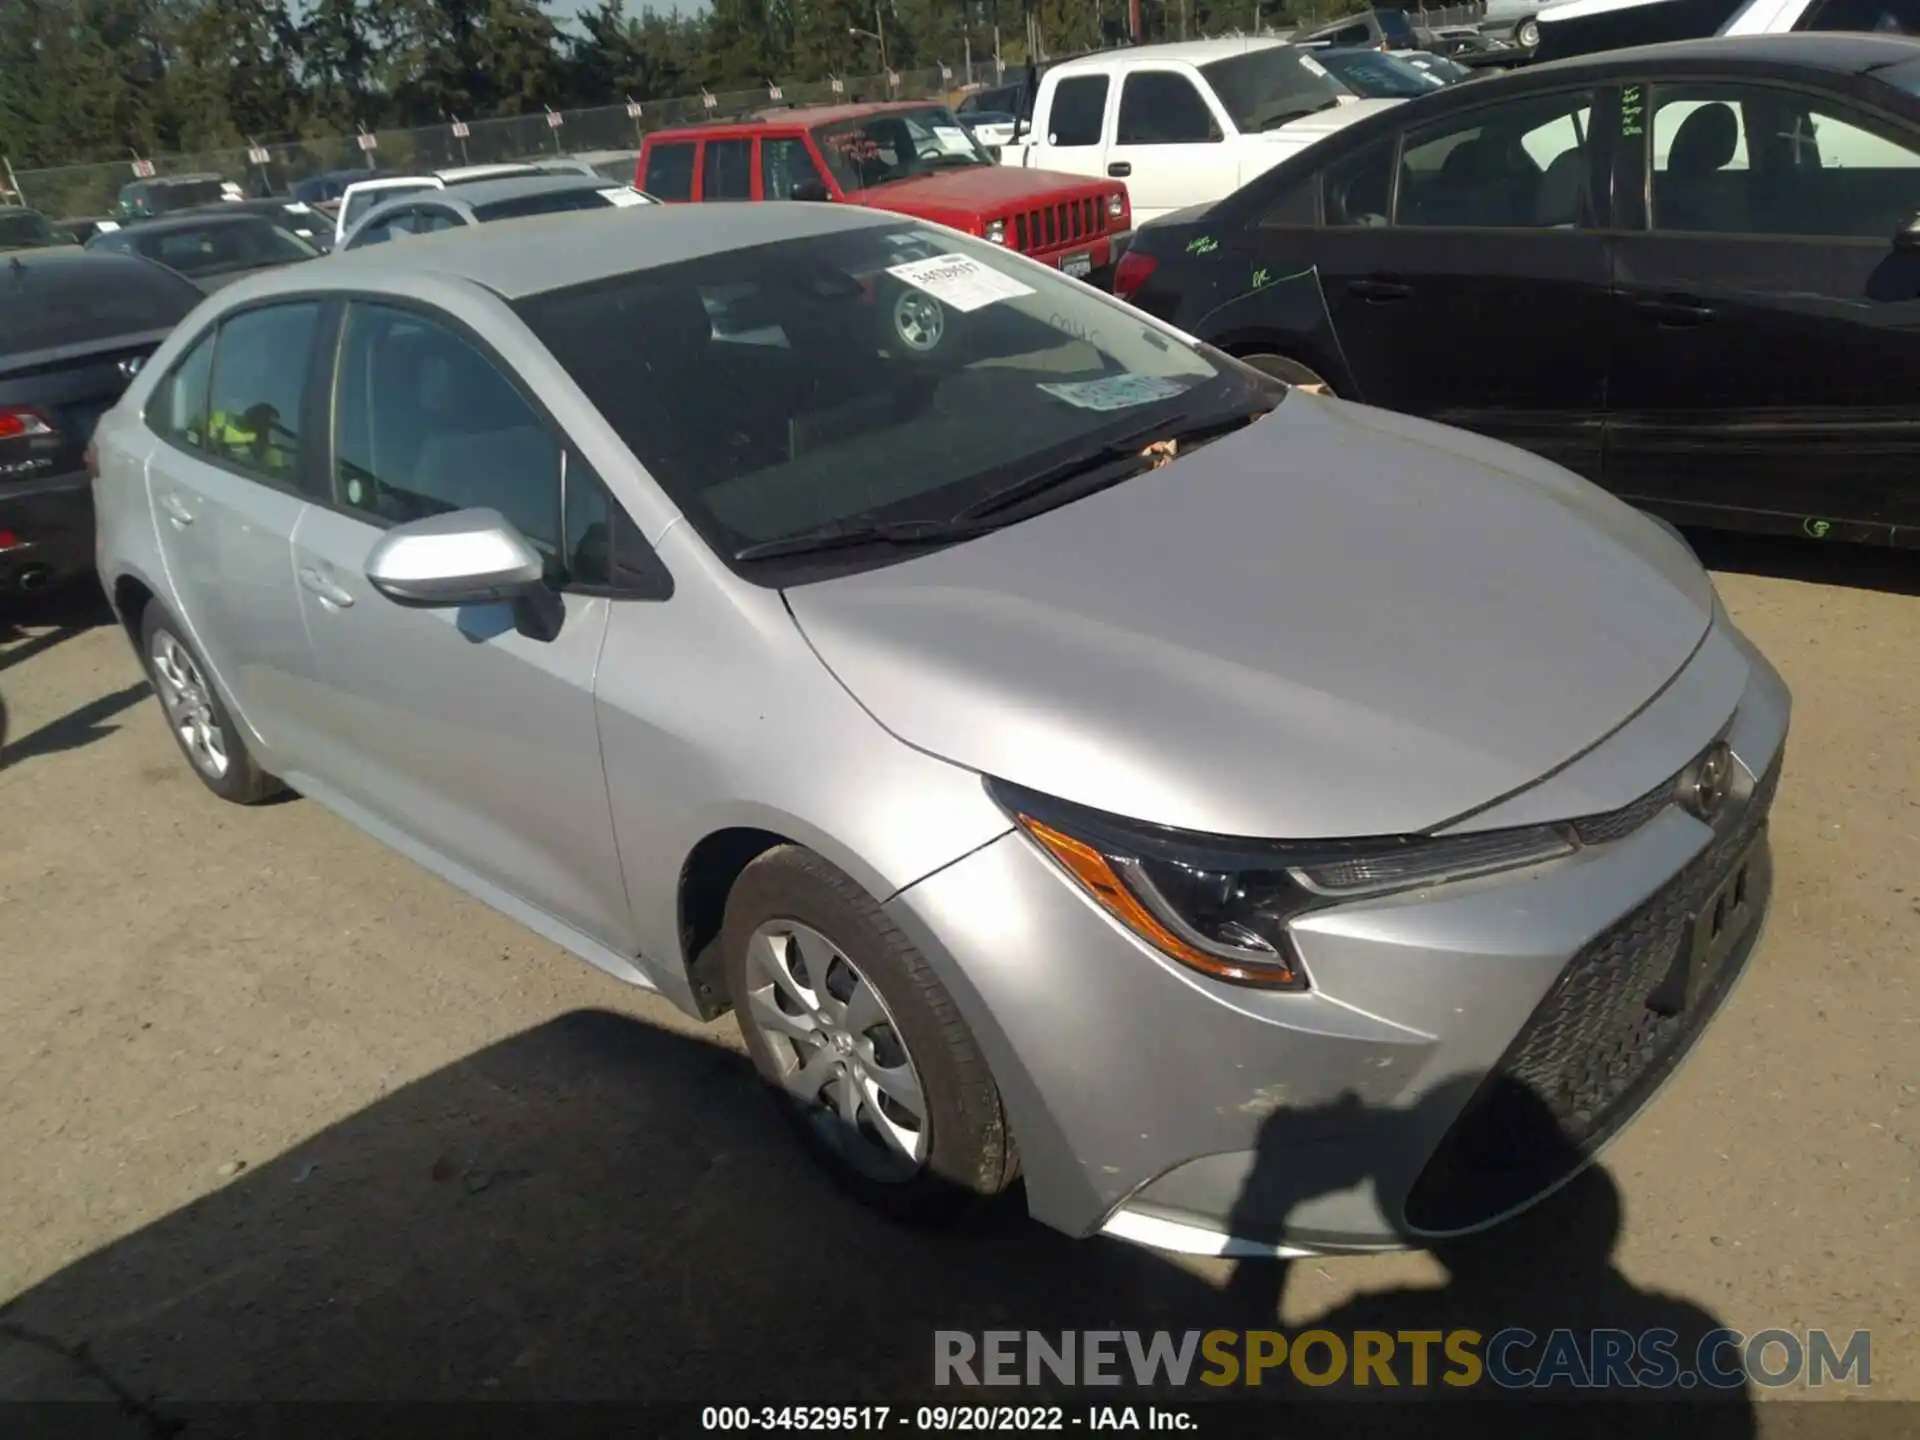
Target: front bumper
x=52, y=518
x=1161, y=1107
x=1100, y=256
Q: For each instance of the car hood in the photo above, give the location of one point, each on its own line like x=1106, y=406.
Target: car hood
x=980, y=188
x=1338, y=621
x=1324, y=122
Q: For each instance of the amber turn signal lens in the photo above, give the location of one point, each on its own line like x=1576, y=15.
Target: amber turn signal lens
x=1097, y=876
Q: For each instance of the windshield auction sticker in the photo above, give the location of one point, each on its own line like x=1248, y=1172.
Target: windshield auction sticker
x=959, y=281
x=953, y=139
x=621, y=196
x=1116, y=392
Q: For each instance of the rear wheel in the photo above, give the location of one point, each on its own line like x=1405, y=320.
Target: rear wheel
x=201, y=725
x=861, y=1042
x=1301, y=377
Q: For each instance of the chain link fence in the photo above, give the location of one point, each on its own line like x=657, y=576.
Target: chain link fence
x=274, y=166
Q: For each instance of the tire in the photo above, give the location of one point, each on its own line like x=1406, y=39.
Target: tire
x=196, y=715
x=1299, y=376
x=789, y=905
x=1527, y=34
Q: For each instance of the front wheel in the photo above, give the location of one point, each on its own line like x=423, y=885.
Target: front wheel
x=1300, y=377
x=1527, y=35
x=861, y=1042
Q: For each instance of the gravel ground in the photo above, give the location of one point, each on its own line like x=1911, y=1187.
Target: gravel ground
x=284, y=1116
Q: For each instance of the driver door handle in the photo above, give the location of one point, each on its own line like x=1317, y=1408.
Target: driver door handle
x=1675, y=310
x=330, y=594
x=1380, y=291
x=1120, y=169
x=177, y=510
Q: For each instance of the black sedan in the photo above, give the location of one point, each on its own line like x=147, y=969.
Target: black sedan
x=1689, y=272
x=209, y=249
x=296, y=217
x=74, y=328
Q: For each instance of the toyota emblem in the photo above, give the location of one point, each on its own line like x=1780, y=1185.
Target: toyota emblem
x=1704, y=789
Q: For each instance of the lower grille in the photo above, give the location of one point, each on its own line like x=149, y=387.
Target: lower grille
x=1594, y=1049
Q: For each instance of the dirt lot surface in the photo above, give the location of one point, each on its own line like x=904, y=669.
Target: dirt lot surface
x=282, y=1115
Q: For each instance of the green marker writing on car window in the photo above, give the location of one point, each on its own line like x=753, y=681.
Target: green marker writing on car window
x=1817, y=528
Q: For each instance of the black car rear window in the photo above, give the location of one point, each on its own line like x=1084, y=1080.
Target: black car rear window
x=79, y=300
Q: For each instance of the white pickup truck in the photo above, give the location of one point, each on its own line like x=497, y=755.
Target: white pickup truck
x=1186, y=124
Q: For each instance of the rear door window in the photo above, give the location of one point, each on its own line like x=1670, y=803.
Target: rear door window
x=670, y=171
x=259, y=380
x=178, y=407
x=726, y=170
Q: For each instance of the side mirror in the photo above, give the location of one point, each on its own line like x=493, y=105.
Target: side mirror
x=467, y=557
x=812, y=190
x=1907, y=237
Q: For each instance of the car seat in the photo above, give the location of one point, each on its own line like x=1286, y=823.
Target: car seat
x=1696, y=192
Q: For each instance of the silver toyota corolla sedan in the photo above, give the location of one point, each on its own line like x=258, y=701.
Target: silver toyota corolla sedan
x=1257, y=821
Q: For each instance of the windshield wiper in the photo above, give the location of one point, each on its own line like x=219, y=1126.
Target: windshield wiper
x=1287, y=117
x=1114, y=456
x=841, y=533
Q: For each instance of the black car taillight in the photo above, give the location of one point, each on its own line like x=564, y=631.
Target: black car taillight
x=26, y=422
x=1133, y=272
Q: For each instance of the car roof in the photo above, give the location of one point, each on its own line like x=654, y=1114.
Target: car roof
x=513, y=187
x=200, y=179
x=518, y=258
x=466, y=174
x=1840, y=52
x=25, y=262
x=1193, y=52
x=198, y=218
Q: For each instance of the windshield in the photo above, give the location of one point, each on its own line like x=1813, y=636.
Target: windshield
x=1263, y=89
x=884, y=373
x=361, y=201
x=156, y=197
x=21, y=228
x=224, y=245
x=897, y=145
x=1375, y=76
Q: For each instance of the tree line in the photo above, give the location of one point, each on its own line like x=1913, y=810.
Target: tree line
x=84, y=80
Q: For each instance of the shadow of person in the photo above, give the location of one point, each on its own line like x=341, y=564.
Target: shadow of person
x=601, y=1209
x=598, y=1209
x=1535, y=1287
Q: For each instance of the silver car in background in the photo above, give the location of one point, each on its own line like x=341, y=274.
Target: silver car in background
x=1258, y=821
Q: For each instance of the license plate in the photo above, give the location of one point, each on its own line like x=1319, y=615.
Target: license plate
x=1078, y=266
x=1714, y=932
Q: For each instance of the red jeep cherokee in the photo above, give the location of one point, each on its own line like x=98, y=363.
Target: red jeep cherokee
x=908, y=156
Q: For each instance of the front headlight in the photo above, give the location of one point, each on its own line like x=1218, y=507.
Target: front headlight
x=997, y=231
x=1116, y=205
x=1222, y=905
